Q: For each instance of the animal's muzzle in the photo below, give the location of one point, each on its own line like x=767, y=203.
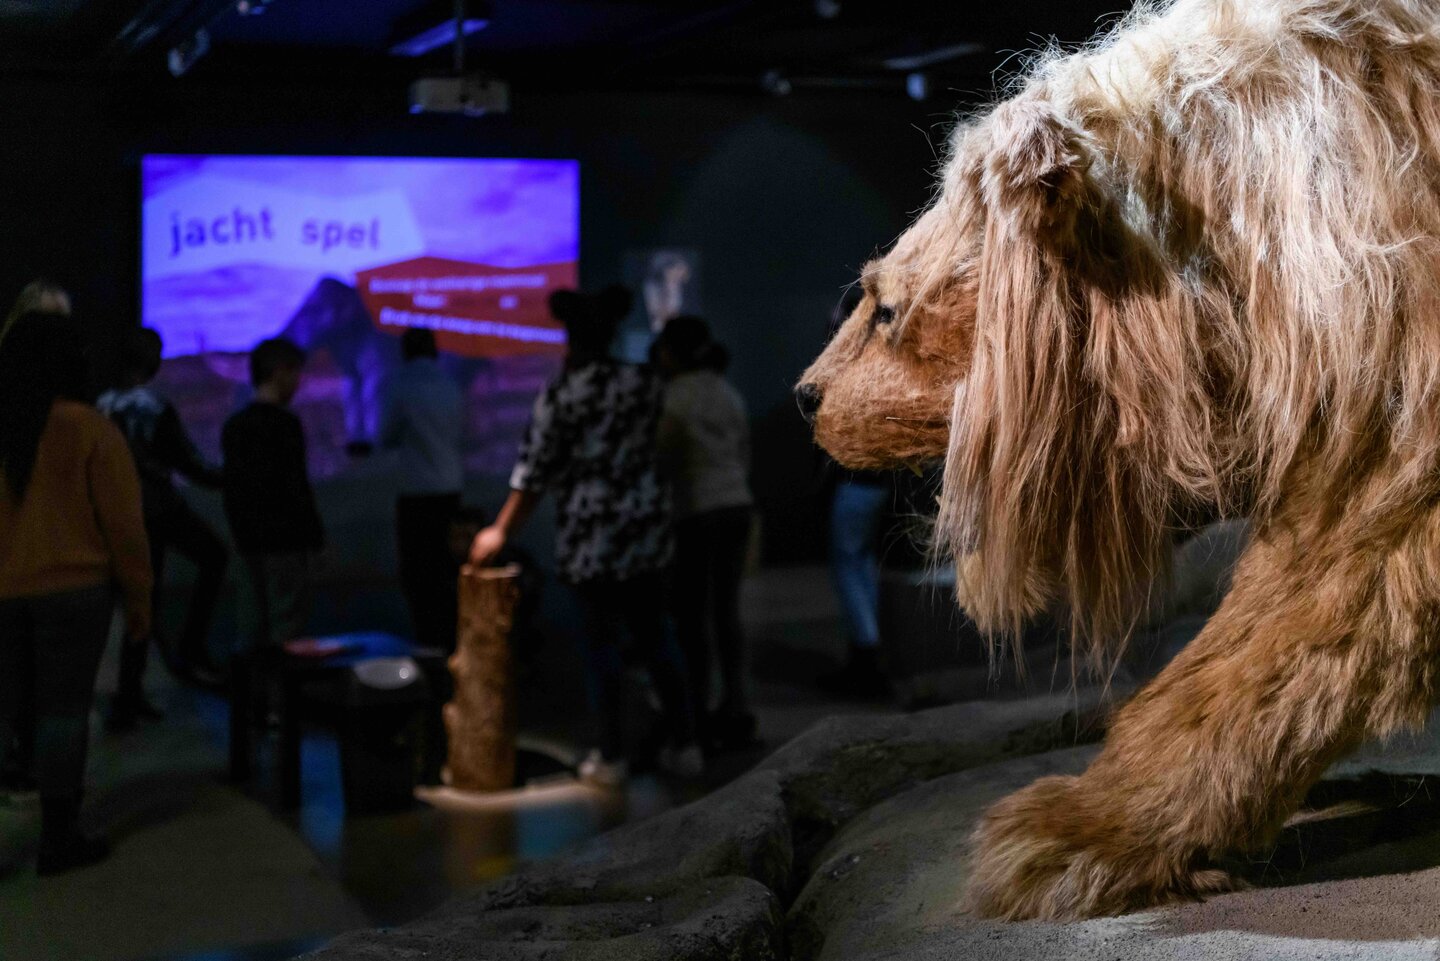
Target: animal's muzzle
x=808, y=398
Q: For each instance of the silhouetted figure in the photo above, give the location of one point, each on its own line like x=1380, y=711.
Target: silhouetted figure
x=162, y=448
x=424, y=419
x=71, y=530
x=592, y=442
x=51, y=302
x=268, y=498
x=705, y=452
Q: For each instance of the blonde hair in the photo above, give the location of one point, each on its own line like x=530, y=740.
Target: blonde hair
x=38, y=295
x=1208, y=251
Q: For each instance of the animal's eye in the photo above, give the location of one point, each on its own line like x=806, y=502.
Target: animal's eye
x=882, y=316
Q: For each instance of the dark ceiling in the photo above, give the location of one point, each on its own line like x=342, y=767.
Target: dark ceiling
x=802, y=45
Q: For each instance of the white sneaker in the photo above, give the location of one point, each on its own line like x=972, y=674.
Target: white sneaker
x=598, y=772
x=683, y=762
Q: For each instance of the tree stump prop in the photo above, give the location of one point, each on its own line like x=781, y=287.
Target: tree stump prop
x=481, y=720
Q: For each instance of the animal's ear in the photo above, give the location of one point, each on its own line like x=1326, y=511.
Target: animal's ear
x=1034, y=172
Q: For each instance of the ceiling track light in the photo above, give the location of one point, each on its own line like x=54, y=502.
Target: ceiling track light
x=185, y=55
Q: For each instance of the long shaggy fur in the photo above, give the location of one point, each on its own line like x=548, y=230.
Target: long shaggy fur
x=1191, y=271
x=1244, y=273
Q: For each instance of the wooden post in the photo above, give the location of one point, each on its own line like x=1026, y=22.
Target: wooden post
x=481, y=720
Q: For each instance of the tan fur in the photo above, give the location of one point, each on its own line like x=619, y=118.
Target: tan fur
x=1188, y=272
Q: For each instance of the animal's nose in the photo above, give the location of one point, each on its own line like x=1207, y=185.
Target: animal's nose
x=808, y=397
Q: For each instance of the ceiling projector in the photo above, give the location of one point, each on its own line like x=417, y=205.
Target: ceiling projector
x=473, y=96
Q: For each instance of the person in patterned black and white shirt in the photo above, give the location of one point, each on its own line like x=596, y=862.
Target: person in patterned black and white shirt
x=162, y=449
x=592, y=443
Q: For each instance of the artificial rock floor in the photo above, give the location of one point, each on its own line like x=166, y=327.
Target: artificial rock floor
x=850, y=843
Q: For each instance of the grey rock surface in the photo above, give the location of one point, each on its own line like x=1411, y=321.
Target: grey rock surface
x=742, y=830
x=860, y=827
x=845, y=765
x=891, y=884
x=757, y=833
x=897, y=871
x=721, y=919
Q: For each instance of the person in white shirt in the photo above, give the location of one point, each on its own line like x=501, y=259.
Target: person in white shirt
x=424, y=421
x=704, y=445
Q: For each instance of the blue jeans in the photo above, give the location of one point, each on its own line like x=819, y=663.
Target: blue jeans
x=854, y=560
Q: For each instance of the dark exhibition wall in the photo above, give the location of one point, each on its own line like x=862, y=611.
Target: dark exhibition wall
x=782, y=199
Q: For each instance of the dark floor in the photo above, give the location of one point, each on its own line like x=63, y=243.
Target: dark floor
x=203, y=870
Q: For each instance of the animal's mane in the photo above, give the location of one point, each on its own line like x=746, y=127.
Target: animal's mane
x=1236, y=275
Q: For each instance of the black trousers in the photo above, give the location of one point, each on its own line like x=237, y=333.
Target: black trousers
x=178, y=528
x=428, y=568
x=611, y=610
x=50, y=647
x=709, y=565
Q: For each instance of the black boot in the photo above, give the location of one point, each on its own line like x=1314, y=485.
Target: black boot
x=861, y=678
x=63, y=847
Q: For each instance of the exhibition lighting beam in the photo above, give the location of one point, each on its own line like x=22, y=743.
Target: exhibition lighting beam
x=434, y=38
x=930, y=58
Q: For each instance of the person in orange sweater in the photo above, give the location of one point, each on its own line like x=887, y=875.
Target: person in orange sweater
x=71, y=533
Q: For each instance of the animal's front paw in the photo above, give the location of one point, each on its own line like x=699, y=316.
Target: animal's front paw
x=1057, y=851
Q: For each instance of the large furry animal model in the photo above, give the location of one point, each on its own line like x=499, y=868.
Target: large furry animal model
x=1190, y=271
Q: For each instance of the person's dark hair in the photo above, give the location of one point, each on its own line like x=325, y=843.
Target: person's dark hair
x=614, y=302
x=591, y=320
x=270, y=356
x=689, y=341
x=418, y=342
x=40, y=362
x=140, y=352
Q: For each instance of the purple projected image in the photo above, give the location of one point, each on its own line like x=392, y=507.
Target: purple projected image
x=341, y=255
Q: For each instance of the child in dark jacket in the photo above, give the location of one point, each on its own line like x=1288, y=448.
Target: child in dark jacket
x=268, y=499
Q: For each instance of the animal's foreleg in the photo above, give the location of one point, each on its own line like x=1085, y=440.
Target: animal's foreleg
x=1316, y=647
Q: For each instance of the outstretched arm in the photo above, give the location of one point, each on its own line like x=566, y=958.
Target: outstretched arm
x=490, y=541
x=542, y=458
x=174, y=447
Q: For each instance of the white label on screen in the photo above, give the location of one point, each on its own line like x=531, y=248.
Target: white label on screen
x=210, y=222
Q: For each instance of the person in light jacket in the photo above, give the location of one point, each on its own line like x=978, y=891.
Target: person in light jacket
x=705, y=452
